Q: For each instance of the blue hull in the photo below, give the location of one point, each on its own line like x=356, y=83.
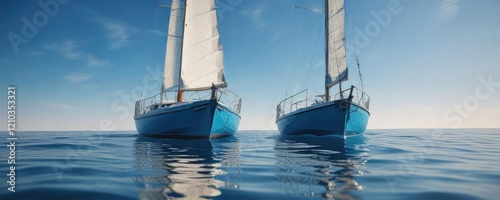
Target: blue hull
x=325, y=119
x=357, y=119
x=201, y=119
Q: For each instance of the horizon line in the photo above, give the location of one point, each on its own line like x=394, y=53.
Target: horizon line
x=375, y=129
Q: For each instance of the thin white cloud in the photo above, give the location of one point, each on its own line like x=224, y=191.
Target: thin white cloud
x=448, y=9
x=93, y=61
x=255, y=14
x=118, y=92
x=69, y=49
x=76, y=77
x=158, y=33
x=315, y=9
x=320, y=63
x=274, y=38
x=118, y=33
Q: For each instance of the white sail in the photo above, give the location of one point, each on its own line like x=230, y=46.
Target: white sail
x=174, y=46
x=202, y=57
x=337, y=62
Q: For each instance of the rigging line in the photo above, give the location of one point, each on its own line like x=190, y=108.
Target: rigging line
x=203, y=76
x=314, y=50
x=308, y=75
x=294, y=49
x=359, y=71
x=312, y=58
x=152, y=50
x=354, y=48
x=203, y=58
x=202, y=41
x=293, y=52
x=200, y=14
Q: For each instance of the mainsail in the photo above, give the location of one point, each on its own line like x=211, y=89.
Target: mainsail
x=194, y=51
x=336, y=61
x=174, y=46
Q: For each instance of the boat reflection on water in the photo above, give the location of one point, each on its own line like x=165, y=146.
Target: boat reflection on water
x=185, y=169
x=323, y=167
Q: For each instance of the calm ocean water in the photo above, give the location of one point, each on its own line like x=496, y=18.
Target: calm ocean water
x=381, y=164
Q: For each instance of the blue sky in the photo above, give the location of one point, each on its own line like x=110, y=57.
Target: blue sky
x=88, y=61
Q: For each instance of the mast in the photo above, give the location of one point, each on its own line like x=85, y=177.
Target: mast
x=179, y=92
x=327, y=89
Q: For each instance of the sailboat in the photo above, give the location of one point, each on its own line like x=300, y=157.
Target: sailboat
x=194, y=101
x=348, y=111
